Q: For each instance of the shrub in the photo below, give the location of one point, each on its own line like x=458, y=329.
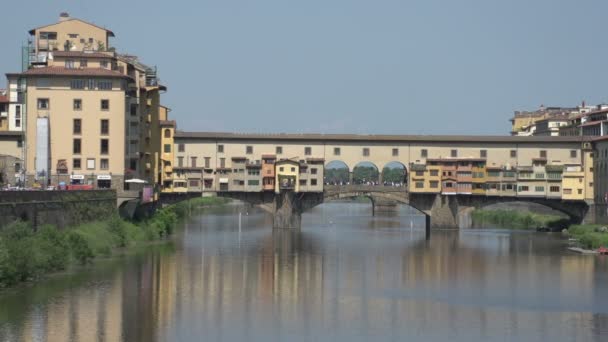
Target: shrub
x=79, y=248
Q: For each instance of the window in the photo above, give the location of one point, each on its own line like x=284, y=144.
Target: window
x=105, y=126
x=313, y=181
x=591, y=169
x=539, y=188
x=302, y=182
x=207, y=162
x=220, y=148
x=454, y=153
x=17, y=123
x=483, y=153
x=493, y=173
x=253, y=172
x=77, y=84
x=77, y=126
x=91, y=84
x=76, y=164
x=424, y=153
x=104, y=164
x=43, y=104
x=567, y=191
x=70, y=64
x=253, y=182
x=278, y=150
x=90, y=163
x=395, y=152
x=543, y=153
x=366, y=151
x=523, y=188
x=313, y=171
x=419, y=173
x=105, y=146
x=249, y=150
x=83, y=63
x=222, y=162
x=336, y=151
x=73, y=35
x=103, y=64
x=133, y=109
x=554, y=189
x=539, y=175
x=281, y=169
x=193, y=183
x=76, y=147
x=434, y=184
x=19, y=142
x=105, y=104
x=513, y=154
x=48, y=35
x=293, y=169
x=573, y=154
x=77, y=104
x=307, y=151
x=104, y=85
x=167, y=148
x=180, y=161
x=580, y=191
x=193, y=161
x=419, y=185
x=434, y=173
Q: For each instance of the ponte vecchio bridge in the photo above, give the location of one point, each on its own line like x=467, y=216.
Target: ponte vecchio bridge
x=443, y=176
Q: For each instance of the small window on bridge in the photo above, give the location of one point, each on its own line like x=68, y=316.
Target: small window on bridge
x=366, y=151
x=181, y=148
x=424, y=153
x=419, y=185
x=573, y=154
x=483, y=153
x=220, y=148
x=513, y=154
x=279, y=150
x=249, y=150
x=395, y=152
x=543, y=154
x=336, y=151
x=307, y=151
x=313, y=182
x=454, y=153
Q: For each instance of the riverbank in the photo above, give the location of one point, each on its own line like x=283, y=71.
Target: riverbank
x=589, y=236
x=27, y=255
x=514, y=219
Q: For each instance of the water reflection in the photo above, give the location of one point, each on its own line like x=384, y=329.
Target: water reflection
x=346, y=276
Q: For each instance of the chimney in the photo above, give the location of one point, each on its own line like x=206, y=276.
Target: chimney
x=583, y=104
x=63, y=16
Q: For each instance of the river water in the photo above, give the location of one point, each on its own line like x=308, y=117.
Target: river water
x=346, y=276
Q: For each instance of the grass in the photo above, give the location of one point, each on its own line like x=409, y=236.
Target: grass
x=589, y=236
x=27, y=255
x=518, y=219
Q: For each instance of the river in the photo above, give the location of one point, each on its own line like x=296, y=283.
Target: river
x=346, y=276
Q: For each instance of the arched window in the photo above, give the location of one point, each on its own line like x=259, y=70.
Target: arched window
x=167, y=133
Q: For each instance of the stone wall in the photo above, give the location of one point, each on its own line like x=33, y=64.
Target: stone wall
x=60, y=208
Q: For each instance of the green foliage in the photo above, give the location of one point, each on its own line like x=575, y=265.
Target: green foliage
x=27, y=255
x=589, y=236
x=517, y=219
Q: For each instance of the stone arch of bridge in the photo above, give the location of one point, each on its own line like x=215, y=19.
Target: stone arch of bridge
x=575, y=211
x=337, y=172
x=374, y=197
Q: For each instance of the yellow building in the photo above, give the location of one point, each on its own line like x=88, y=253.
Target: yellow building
x=425, y=178
x=167, y=154
x=479, y=179
x=573, y=183
x=287, y=175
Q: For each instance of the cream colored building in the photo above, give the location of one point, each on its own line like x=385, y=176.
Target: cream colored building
x=90, y=115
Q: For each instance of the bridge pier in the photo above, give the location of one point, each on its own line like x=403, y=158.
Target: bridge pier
x=383, y=206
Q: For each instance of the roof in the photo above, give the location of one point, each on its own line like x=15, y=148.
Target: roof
x=11, y=133
x=110, y=33
x=167, y=123
x=377, y=138
x=4, y=99
x=62, y=71
x=93, y=54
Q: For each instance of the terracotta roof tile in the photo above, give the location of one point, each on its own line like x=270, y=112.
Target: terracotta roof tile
x=61, y=71
x=4, y=99
x=94, y=54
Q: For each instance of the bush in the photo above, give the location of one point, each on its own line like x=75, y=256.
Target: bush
x=80, y=248
x=517, y=219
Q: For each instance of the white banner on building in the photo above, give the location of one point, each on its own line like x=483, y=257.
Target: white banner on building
x=42, y=148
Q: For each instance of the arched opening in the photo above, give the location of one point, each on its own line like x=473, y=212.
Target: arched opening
x=394, y=174
x=167, y=133
x=336, y=173
x=366, y=173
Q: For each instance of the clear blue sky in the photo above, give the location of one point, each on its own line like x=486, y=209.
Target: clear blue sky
x=349, y=66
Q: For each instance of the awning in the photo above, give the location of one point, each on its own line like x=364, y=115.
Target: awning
x=135, y=180
x=223, y=180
